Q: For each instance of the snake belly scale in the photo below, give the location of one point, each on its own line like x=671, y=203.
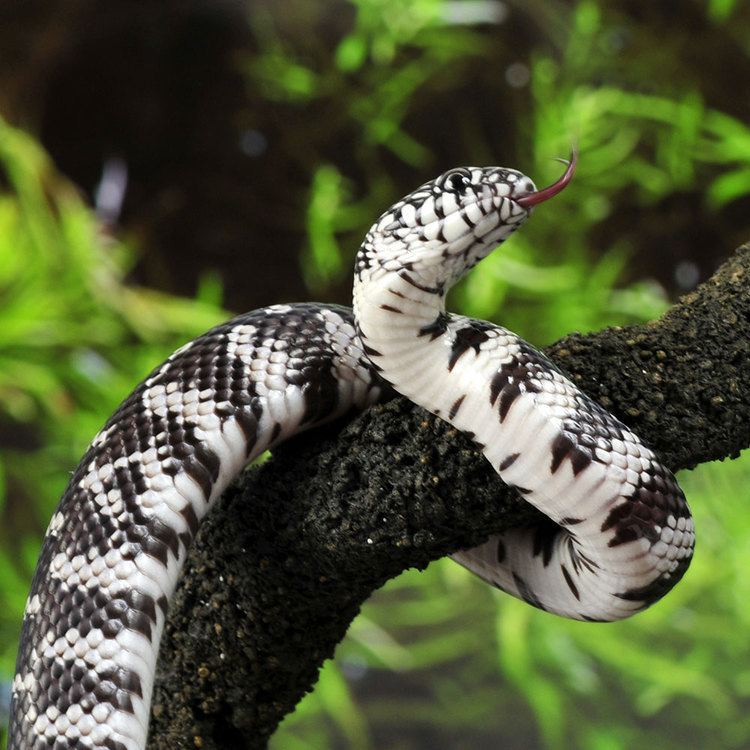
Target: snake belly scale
x=619, y=533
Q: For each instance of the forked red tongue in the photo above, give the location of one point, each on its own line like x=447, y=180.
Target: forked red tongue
x=545, y=194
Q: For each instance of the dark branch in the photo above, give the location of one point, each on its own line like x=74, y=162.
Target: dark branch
x=282, y=567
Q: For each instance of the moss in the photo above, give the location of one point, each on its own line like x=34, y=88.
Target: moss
x=278, y=572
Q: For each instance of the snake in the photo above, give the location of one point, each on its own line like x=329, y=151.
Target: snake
x=616, y=533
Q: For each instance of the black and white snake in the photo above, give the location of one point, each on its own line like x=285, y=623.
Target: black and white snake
x=621, y=535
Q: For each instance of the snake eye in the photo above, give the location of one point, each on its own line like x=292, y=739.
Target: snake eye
x=457, y=181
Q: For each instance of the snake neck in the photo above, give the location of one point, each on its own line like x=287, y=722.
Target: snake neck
x=411, y=257
x=404, y=330
x=404, y=268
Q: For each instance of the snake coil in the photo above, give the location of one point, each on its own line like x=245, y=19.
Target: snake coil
x=619, y=534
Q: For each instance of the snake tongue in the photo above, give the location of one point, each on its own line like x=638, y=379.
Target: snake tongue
x=527, y=201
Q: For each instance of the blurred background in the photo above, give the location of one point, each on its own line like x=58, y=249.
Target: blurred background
x=163, y=164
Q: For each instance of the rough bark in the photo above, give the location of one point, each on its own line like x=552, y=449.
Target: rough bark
x=298, y=544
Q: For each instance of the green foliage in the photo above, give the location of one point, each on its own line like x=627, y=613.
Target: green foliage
x=721, y=10
x=74, y=339
x=364, y=90
x=376, y=102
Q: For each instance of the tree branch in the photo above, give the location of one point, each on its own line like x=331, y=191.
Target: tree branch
x=278, y=572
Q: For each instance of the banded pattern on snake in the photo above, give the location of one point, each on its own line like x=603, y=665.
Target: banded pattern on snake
x=619, y=533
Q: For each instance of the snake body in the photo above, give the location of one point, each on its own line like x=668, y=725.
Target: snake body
x=618, y=536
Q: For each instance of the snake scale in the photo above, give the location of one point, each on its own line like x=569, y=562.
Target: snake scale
x=619, y=533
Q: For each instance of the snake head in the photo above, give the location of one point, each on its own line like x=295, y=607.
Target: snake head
x=450, y=223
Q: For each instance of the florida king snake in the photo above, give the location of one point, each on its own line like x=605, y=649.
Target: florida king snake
x=623, y=534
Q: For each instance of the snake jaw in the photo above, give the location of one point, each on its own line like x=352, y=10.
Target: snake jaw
x=530, y=200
